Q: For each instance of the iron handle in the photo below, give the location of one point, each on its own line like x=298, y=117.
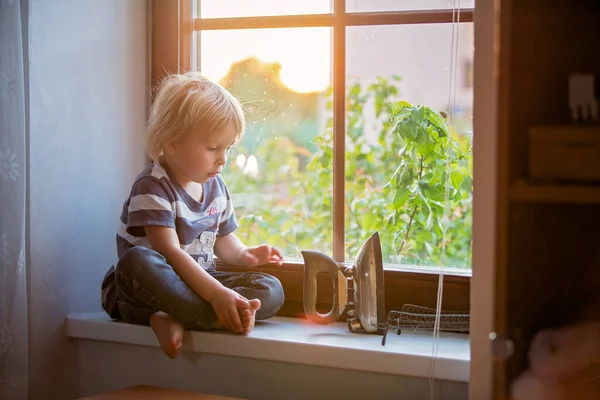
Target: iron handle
x=315, y=262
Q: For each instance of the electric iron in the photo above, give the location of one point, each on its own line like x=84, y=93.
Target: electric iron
x=358, y=291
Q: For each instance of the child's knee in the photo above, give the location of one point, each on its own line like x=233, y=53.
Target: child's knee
x=274, y=296
x=133, y=262
x=275, y=287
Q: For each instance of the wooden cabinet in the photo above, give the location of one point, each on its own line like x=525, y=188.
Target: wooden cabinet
x=548, y=242
x=564, y=153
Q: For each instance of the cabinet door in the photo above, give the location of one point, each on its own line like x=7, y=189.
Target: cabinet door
x=544, y=239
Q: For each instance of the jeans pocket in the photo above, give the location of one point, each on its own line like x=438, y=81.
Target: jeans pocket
x=134, y=315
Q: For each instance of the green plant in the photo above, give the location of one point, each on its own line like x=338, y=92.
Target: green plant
x=408, y=176
x=431, y=188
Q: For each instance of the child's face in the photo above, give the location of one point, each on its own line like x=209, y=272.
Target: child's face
x=200, y=157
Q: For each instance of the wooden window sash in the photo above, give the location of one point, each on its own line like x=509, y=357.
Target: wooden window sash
x=338, y=18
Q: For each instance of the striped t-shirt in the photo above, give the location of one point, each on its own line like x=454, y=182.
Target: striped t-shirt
x=155, y=199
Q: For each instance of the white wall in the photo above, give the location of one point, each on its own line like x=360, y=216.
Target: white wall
x=88, y=78
x=110, y=366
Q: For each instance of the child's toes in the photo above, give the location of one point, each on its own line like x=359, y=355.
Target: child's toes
x=245, y=311
x=246, y=319
x=254, y=304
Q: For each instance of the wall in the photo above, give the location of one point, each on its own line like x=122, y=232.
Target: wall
x=88, y=80
x=110, y=366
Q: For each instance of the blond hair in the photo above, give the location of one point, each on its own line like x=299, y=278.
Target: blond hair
x=190, y=103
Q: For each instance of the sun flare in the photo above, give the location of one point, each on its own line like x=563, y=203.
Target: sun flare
x=303, y=53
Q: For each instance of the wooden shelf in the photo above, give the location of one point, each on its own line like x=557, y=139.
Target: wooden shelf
x=528, y=192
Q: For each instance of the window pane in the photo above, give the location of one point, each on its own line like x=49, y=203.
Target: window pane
x=255, y=8
x=405, y=5
x=280, y=175
x=386, y=64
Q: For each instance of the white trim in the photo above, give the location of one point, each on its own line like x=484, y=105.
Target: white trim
x=296, y=341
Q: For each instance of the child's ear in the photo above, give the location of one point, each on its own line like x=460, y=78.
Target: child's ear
x=170, y=147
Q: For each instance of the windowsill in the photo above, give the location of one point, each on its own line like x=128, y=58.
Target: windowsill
x=297, y=341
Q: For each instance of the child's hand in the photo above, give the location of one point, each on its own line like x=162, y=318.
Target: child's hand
x=226, y=304
x=259, y=255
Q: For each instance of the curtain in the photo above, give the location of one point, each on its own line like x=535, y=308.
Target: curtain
x=13, y=175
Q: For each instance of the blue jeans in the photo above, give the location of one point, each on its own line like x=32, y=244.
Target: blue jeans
x=143, y=284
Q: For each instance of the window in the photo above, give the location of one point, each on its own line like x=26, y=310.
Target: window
x=281, y=76
x=318, y=79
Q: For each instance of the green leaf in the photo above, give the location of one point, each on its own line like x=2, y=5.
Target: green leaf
x=437, y=121
x=394, y=178
x=418, y=115
x=424, y=143
x=428, y=248
x=468, y=184
x=457, y=179
x=391, y=221
x=400, y=197
x=369, y=221
x=407, y=129
x=437, y=193
x=325, y=160
x=429, y=220
x=401, y=108
x=405, y=177
x=470, y=165
x=425, y=236
x=350, y=169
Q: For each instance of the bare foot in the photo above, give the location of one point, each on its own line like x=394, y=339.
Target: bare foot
x=248, y=316
x=168, y=331
x=218, y=325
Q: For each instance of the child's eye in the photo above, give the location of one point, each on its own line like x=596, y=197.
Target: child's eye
x=229, y=148
x=212, y=149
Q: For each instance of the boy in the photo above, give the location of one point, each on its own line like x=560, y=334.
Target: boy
x=178, y=214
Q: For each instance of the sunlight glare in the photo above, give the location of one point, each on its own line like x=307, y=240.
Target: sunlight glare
x=304, y=53
x=254, y=8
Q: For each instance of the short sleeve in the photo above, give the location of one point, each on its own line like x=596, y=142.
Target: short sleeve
x=149, y=205
x=227, y=221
